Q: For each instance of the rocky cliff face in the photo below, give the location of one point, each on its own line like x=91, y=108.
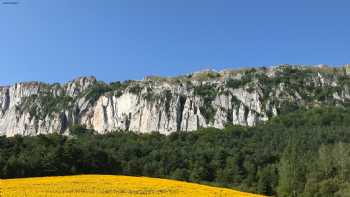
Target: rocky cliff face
x=184, y=103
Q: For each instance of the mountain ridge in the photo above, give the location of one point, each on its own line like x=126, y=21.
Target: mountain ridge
x=201, y=99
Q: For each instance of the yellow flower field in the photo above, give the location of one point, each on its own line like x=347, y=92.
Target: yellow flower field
x=108, y=185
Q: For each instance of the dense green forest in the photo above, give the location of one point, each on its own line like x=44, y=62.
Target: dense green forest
x=303, y=153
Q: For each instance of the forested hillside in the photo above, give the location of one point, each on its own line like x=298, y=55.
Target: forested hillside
x=302, y=153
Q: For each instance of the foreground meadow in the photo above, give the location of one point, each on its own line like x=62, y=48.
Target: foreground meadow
x=108, y=185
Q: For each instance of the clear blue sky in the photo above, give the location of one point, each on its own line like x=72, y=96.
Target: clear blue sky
x=58, y=40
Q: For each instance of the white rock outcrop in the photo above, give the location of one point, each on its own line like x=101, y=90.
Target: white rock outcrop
x=157, y=105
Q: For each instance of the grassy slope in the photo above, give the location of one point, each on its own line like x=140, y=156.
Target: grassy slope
x=108, y=185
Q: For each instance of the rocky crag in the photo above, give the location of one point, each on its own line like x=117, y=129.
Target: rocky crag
x=185, y=103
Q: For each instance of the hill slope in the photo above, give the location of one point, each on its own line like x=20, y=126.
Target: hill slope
x=185, y=103
x=305, y=152
x=104, y=185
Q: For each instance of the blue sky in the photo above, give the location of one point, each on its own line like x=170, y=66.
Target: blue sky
x=58, y=40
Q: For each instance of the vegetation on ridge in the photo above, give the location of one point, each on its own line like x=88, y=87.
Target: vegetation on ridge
x=41, y=105
x=208, y=94
x=285, y=87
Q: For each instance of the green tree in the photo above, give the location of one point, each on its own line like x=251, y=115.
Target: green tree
x=291, y=171
x=267, y=180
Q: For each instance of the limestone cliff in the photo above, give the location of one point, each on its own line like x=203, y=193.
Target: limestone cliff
x=185, y=103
